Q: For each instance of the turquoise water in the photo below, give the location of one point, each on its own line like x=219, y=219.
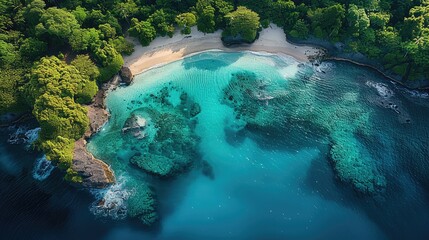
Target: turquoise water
x=237, y=146
x=279, y=150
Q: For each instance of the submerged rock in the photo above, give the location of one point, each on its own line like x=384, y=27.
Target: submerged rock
x=170, y=146
x=142, y=204
x=207, y=170
x=135, y=124
x=156, y=164
x=94, y=172
x=354, y=166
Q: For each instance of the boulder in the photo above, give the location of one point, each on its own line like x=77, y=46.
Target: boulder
x=126, y=75
x=195, y=109
x=135, y=125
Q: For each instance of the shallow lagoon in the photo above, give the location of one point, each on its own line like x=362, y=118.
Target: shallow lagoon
x=269, y=174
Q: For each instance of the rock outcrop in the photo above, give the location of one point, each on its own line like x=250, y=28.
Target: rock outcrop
x=94, y=172
x=126, y=75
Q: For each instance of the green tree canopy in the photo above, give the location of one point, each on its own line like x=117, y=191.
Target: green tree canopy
x=357, y=19
x=8, y=54
x=126, y=10
x=10, y=98
x=110, y=60
x=143, y=30
x=86, y=66
x=186, y=21
x=33, y=11
x=243, y=23
x=57, y=22
x=206, y=16
x=83, y=39
x=327, y=22
x=162, y=22
x=80, y=14
x=32, y=48
x=60, y=116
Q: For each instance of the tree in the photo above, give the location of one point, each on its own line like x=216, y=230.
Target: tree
x=10, y=98
x=107, y=31
x=32, y=49
x=80, y=14
x=60, y=116
x=418, y=48
x=53, y=76
x=143, y=30
x=243, y=23
x=379, y=20
x=90, y=72
x=86, y=66
x=415, y=24
x=122, y=45
x=96, y=18
x=84, y=39
x=110, y=60
x=52, y=88
x=327, y=22
x=126, y=10
x=300, y=29
x=357, y=19
x=33, y=11
x=8, y=54
x=221, y=9
x=57, y=22
x=162, y=22
x=282, y=13
x=206, y=16
x=186, y=21
x=59, y=150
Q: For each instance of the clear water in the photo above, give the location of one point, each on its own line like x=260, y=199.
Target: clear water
x=268, y=176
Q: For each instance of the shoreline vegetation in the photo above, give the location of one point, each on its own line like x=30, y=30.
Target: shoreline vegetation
x=55, y=56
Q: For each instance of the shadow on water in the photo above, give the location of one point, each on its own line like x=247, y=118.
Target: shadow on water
x=210, y=60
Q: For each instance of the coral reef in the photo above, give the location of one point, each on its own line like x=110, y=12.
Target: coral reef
x=163, y=133
x=267, y=105
x=354, y=165
x=142, y=204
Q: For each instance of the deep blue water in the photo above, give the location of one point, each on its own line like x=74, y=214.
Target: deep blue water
x=267, y=176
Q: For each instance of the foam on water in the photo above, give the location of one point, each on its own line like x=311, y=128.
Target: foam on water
x=23, y=135
x=111, y=201
x=42, y=168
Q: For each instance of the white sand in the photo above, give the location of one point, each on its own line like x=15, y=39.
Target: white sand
x=164, y=50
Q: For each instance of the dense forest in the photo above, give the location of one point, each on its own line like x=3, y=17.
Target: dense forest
x=55, y=54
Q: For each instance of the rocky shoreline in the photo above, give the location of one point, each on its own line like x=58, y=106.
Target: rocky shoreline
x=336, y=52
x=94, y=172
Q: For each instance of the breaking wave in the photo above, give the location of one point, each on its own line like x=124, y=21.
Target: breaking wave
x=42, y=168
x=111, y=201
x=23, y=135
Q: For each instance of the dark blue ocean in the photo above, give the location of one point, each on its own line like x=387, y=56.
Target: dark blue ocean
x=285, y=150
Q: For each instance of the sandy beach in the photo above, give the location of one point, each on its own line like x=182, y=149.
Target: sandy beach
x=164, y=50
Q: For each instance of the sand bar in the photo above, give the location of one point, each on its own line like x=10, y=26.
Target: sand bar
x=164, y=50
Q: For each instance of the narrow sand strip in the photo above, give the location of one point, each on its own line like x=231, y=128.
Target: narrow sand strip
x=164, y=50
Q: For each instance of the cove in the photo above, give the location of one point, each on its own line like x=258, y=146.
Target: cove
x=253, y=146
